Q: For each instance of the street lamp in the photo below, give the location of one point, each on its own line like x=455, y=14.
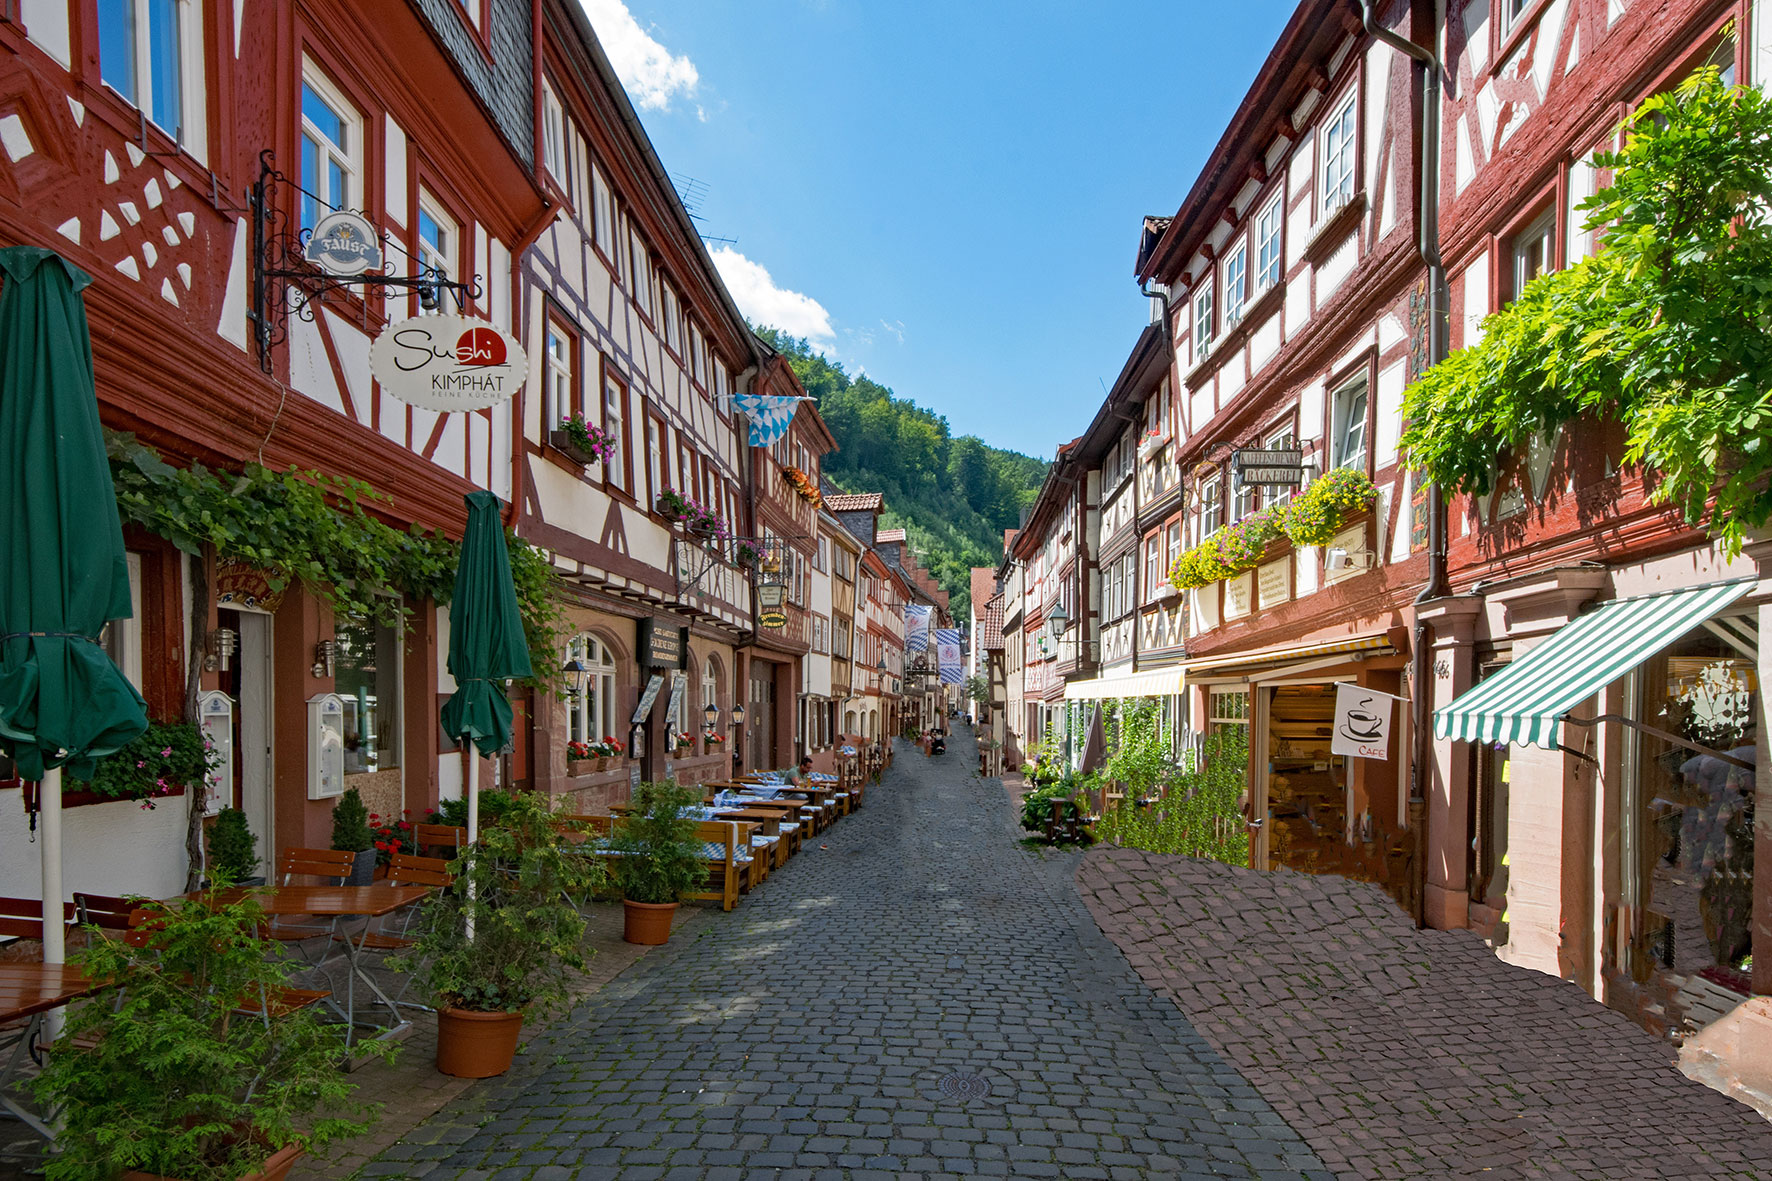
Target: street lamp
x=575, y=678
x=738, y=715
x=711, y=717
x=1056, y=621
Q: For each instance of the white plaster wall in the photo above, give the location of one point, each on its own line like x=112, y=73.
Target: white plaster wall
x=117, y=848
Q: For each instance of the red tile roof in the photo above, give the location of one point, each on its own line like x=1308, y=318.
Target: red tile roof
x=984, y=585
x=990, y=627
x=854, y=502
x=889, y=535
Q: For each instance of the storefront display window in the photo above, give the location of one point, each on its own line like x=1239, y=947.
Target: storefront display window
x=368, y=679
x=1689, y=824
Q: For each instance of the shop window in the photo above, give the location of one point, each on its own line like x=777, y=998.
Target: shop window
x=368, y=679
x=591, y=715
x=1688, y=828
x=331, y=150
x=1350, y=426
x=151, y=53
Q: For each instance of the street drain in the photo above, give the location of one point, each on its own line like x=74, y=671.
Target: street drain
x=965, y=1086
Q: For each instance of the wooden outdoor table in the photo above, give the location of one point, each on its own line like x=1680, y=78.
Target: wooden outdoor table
x=32, y=991
x=337, y=903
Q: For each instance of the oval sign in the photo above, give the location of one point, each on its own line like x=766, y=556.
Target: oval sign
x=344, y=245
x=448, y=363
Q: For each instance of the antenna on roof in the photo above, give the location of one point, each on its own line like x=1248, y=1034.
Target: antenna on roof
x=691, y=191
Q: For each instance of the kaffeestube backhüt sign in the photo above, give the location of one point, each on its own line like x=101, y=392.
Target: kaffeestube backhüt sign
x=448, y=363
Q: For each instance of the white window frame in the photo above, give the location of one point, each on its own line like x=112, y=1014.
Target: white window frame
x=1236, y=282
x=1282, y=440
x=348, y=156
x=1211, y=506
x=596, y=702
x=1508, y=14
x=1269, y=262
x=553, y=134
x=1202, y=323
x=615, y=414
x=557, y=374
x=1340, y=139
x=191, y=133
x=1348, y=427
x=443, y=255
x=122, y=638
x=605, y=231
x=1540, y=232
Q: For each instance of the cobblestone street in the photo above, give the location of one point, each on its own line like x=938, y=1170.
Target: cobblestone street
x=1405, y=1053
x=809, y=1033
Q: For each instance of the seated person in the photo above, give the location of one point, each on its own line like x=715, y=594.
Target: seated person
x=801, y=775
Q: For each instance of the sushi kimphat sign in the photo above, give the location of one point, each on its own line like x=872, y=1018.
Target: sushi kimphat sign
x=448, y=363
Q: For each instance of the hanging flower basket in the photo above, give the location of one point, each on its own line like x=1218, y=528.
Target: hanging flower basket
x=803, y=486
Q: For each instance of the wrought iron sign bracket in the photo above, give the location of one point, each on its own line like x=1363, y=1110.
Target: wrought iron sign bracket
x=284, y=281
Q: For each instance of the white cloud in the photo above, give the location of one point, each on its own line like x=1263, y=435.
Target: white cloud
x=896, y=327
x=652, y=74
x=770, y=306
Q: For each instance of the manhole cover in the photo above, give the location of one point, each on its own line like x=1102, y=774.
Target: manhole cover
x=965, y=1086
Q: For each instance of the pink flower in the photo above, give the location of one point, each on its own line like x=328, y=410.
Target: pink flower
x=166, y=752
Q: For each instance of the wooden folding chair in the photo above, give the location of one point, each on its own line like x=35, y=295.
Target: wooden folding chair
x=446, y=837
x=331, y=865
x=22, y=918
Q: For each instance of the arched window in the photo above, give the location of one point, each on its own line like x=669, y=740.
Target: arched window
x=849, y=722
x=591, y=715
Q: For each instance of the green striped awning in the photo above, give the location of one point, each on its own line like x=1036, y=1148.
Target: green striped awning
x=1526, y=700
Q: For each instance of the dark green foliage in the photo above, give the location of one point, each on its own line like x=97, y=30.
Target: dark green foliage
x=233, y=850
x=658, y=857
x=516, y=886
x=165, y=756
x=493, y=806
x=954, y=497
x=156, y=1078
x=1664, y=331
x=1037, y=805
x=350, y=824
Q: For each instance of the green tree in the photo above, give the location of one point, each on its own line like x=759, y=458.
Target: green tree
x=1665, y=331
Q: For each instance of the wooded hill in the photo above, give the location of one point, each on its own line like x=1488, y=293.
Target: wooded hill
x=954, y=497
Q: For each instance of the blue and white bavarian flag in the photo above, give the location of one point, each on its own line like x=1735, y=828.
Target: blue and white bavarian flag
x=769, y=416
x=916, y=627
x=947, y=654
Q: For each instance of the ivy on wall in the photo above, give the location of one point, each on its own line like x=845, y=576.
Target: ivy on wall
x=313, y=530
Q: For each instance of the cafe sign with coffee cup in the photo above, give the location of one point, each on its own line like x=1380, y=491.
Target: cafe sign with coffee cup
x=445, y=362
x=1362, y=722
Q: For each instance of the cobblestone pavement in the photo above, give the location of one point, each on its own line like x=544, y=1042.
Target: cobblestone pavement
x=808, y=1033
x=1405, y=1053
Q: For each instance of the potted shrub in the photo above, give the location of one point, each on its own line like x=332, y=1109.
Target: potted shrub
x=503, y=939
x=351, y=834
x=167, y=1079
x=233, y=850
x=658, y=859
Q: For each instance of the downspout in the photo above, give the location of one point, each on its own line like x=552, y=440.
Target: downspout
x=1428, y=219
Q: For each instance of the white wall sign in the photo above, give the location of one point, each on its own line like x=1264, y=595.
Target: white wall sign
x=1274, y=583
x=1362, y=722
x=448, y=363
x=1237, y=594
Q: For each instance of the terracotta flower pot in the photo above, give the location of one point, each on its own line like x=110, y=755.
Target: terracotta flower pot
x=476, y=1045
x=647, y=923
x=276, y=1168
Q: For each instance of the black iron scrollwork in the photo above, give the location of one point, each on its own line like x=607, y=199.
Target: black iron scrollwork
x=284, y=282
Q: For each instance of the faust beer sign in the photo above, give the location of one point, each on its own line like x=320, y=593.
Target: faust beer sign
x=448, y=363
x=344, y=245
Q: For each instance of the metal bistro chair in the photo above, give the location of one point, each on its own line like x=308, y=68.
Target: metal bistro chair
x=404, y=869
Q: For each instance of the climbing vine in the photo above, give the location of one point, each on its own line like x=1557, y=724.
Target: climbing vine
x=313, y=530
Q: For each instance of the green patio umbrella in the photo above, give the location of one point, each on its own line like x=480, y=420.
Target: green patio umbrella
x=486, y=643
x=63, y=571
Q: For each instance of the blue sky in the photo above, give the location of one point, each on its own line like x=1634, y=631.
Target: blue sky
x=945, y=195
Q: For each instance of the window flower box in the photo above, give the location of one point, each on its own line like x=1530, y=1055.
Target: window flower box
x=581, y=442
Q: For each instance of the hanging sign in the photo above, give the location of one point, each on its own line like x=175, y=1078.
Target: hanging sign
x=1362, y=722
x=773, y=618
x=1282, y=468
x=653, y=685
x=661, y=645
x=448, y=363
x=344, y=245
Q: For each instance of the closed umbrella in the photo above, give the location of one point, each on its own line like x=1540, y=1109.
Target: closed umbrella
x=63, y=570
x=486, y=643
